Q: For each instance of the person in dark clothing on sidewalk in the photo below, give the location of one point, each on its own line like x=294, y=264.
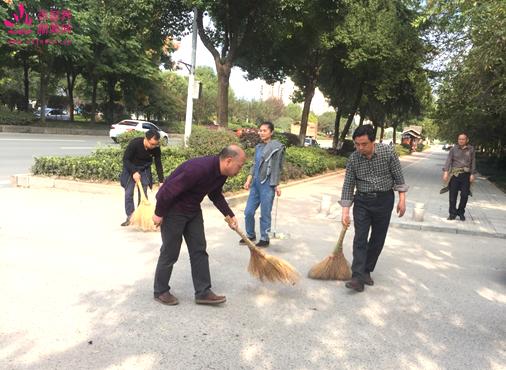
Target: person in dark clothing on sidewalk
x=179, y=214
x=137, y=160
x=461, y=167
x=375, y=171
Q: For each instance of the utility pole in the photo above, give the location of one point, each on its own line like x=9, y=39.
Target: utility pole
x=191, y=81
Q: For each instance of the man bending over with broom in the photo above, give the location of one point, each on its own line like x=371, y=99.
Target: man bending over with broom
x=179, y=214
x=375, y=171
x=137, y=161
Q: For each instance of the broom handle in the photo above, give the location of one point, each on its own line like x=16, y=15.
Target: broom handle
x=241, y=234
x=339, y=245
x=143, y=196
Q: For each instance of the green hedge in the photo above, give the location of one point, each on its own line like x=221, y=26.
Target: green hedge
x=106, y=163
x=16, y=118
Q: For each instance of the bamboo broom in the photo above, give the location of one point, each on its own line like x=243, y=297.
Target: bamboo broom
x=143, y=214
x=335, y=266
x=265, y=267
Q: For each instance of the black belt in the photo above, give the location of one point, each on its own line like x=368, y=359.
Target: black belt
x=374, y=194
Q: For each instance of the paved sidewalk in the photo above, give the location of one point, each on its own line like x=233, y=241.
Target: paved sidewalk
x=485, y=212
x=77, y=294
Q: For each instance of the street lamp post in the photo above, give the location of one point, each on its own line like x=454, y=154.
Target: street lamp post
x=191, y=81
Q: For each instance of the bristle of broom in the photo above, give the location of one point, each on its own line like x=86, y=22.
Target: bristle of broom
x=271, y=268
x=143, y=216
x=334, y=267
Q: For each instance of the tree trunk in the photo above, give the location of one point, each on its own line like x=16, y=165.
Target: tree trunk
x=43, y=88
x=71, y=79
x=394, y=138
x=308, y=97
x=362, y=117
x=94, y=99
x=337, y=122
x=111, y=85
x=223, y=83
x=375, y=125
x=26, y=84
x=382, y=132
x=356, y=104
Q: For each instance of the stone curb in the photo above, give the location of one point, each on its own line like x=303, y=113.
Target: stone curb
x=30, y=181
x=449, y=230
x=53, y=130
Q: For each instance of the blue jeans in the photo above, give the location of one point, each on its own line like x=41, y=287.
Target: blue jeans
x=259, y=195
x=129, y=196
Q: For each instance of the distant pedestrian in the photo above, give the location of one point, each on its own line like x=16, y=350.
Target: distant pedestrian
x=263, y=183
x=459, y=170
x=137, y=160
x=179, y=214
x=375, y=171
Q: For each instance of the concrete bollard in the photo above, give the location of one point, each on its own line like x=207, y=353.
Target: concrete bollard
x=418, y=212
x=325, y=204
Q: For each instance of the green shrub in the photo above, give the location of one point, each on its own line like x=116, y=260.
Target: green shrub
x=204, y=141
x=124, y=138
x=421, y=147
x=312, y=160
x=401, y=150
x=16, y=117
x=249, y=139
x=286, y=138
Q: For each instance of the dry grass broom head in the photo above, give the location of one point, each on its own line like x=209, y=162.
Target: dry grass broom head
x=333, y=267
x=143, y=216
x=271, y=268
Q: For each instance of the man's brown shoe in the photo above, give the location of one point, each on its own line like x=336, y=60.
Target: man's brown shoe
x=355, y=284
x=167, y=298
x=211, y=298
x=368, y=279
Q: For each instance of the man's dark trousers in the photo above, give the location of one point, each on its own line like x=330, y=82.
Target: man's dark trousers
x=129, y=195
x=175, y=225
x=460, y=182
x=370, y=212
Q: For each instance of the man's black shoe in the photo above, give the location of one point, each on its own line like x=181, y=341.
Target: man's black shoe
x=243, y=242
x=262, y=243
x=368, y=279
x=127, y=222
x=355, y=284
x=451, y=217
x=462, y=217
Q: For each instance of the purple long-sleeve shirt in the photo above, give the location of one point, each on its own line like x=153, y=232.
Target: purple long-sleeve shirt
x=187, y=186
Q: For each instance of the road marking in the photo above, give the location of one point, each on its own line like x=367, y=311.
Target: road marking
x=77, y=141
x=76, y=147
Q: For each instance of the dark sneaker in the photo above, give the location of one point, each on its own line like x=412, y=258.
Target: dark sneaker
x=167, y=298
x=462, y=217
x=451, y=217
x=355, y=284
x=251, y=239
x=262, y=243
x=368, y=279
x=127, y=221
x=211, y=298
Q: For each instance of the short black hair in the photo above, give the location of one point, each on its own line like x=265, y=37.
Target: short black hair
x=229, y=152
x=268, y=124
x=152, y=133
x=364, y=130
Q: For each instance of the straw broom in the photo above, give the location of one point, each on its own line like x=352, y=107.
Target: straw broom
x=335, y=266
x=143, y=215
x=265, y=267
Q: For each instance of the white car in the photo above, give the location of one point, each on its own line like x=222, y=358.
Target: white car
x=132, y=124
x=56, y=114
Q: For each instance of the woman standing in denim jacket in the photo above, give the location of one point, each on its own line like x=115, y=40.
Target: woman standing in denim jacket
x=263, y=183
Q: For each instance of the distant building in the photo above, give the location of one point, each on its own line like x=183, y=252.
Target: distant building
x=412, y=136
x=311, y=131
x=284, y=92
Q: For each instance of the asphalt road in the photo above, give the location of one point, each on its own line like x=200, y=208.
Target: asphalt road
x=17, y=151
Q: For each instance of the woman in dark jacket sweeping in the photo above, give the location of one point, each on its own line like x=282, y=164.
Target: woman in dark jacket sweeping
x=263, y=183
